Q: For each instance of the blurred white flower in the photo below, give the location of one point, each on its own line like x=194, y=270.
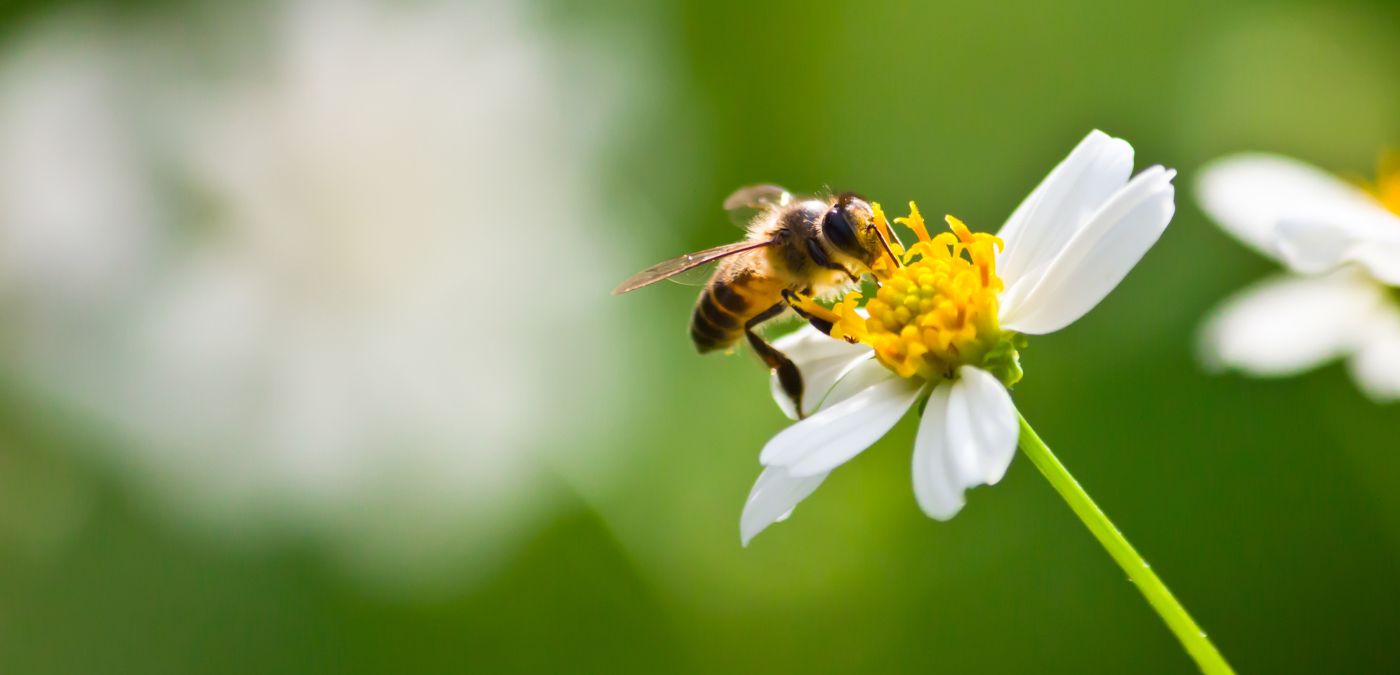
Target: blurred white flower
x=76, y=211
x=319, y=311
x=945, y=327
x=1340, y=241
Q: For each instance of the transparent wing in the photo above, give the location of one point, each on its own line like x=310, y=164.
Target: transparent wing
x=675, y=266
x=696, y=276
x=751, y=200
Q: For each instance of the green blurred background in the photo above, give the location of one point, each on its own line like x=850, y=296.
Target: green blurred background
x=1269, y=507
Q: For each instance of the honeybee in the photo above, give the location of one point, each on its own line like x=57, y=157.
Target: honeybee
x=814, y=246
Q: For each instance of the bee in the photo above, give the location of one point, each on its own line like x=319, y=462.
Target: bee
x=814, y=246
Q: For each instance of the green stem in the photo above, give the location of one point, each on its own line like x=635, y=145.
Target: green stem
x=1191, y=636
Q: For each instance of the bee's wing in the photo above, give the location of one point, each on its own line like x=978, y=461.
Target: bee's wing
x=696, y=276
x=689, y=261
x=750, y=200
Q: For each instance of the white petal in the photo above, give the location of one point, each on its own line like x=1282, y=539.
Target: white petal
x=821, y=359
x=967, y=437
x=785, y=402
x=937, y=485
x=1284, y=325
x=1062, y=203
x=1376, y=364
x=982, y=425
x=839, y=432
x=1314, y=247
x=1098, y=256
x=859, y=376
x=807, y=344
x=773, y=498
x=1249, y=195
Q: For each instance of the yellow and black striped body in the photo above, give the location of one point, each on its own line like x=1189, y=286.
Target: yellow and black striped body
x=748, y=288
x=814, y=247
x=736, y=295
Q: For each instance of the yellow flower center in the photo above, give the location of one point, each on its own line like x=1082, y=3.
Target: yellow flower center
x=1387, y=186
x=935, y=311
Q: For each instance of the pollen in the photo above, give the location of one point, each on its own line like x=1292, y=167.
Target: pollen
x=937, y=310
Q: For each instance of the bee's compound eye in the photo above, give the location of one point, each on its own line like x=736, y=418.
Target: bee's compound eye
x=837, y=228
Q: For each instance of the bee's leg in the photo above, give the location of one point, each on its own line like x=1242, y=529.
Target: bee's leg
x=788, y=376
x=796, y=303
x=819, y=256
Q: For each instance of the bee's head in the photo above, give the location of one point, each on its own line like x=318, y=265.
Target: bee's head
x=849, y=227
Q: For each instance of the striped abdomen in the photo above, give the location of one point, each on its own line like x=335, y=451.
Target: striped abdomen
x=726, y=304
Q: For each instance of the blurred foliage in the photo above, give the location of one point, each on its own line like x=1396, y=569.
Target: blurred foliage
x=1269, y=507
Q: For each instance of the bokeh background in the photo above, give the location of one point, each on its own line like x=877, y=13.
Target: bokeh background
x=308, y=363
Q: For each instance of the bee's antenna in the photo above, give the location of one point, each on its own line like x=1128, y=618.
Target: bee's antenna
x=896, y=237
x=886, y=244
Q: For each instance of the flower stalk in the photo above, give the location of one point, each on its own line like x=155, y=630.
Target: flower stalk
x=1207, y=657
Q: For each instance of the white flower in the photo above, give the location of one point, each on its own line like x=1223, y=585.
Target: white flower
x=300, y=321
x=1342, y=247
x=1067, y=245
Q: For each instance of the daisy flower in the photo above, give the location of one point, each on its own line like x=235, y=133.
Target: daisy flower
x=946, y=327
x=1339, y=241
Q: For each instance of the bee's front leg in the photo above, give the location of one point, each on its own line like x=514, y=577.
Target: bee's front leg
x=817, y=322
x=788, y=376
